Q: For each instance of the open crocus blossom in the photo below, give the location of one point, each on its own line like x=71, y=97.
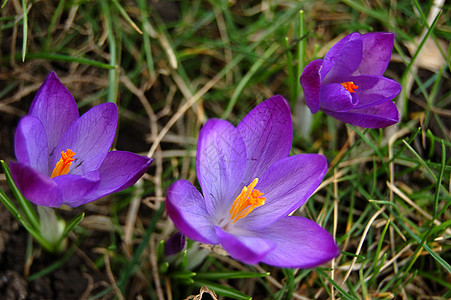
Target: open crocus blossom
x=65, y=159
x=348, y=83
x=250, y=184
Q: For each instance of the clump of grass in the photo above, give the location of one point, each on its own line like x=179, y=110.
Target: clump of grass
x=171, y=65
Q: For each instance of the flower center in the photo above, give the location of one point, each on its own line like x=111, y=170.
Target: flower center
x=350, y=86
x=247, y=200
x=63, y=165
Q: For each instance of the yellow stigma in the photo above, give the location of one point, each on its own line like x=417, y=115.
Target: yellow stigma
x=350, y=86
x=246, y=201
x=63, y=165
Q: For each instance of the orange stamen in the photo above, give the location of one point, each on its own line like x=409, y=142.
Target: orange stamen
x=350, y=86
x=246, y=201
x=63, y=165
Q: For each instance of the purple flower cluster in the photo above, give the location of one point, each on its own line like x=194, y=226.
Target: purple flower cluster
x=65, y=159
x=348, y=83
x=249, y=186
x=249, y=183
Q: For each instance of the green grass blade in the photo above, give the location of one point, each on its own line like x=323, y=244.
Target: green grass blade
x=25, y=29
x=241, y=85
x=10, y=206
x=113, y=74
x=404, y=92
x=291, y=77
x=130, y=269
x=376, y=14
x=336, y=285
x=38, y=237
x=182, y=274
x=127, y=17
x=422, y=43
x=229, y=275
x=146, y=37
x=421, y=161
x=56, y=265
x=289, y=283
x=437, y=279
x=300, y=51
x=222, y=290
x=55, y=17
x=101, y=294
x=71, y=225
x=368, y=142
x=427, y=248
x=439, y=180
x=68, y=58
x=376, y=255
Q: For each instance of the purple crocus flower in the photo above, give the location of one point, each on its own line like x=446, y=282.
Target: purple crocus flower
x=175, y=244
x=348, y=83
x=250, y=184
x=63, y=158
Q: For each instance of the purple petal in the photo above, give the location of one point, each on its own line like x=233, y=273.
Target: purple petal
x=221, y=163
x=30, y=144
x=378, y=116
x=286, y=186
x=175, y=244
x=75, y=188
x=248, y=249
x=311, y=84
x=119, y=170
x=301, y=243
x=90, y=137
x=333, y=55
x=374, y=90
x=267, y=132
x=35, y=186
x=335, y=97
x=55, y=107
x=377, y=49
x=342, y=59
x=186, y=208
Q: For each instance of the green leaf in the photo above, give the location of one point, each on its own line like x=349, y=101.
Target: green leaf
x=160, y=250
x=229, y=275
x=24, y=204
x=17, y=214
x=71, y=225
x=182, y=274
x=10, y=206
x=184, y=262
x=163, y=267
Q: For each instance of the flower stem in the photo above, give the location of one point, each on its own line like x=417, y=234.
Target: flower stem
x=51, y=228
